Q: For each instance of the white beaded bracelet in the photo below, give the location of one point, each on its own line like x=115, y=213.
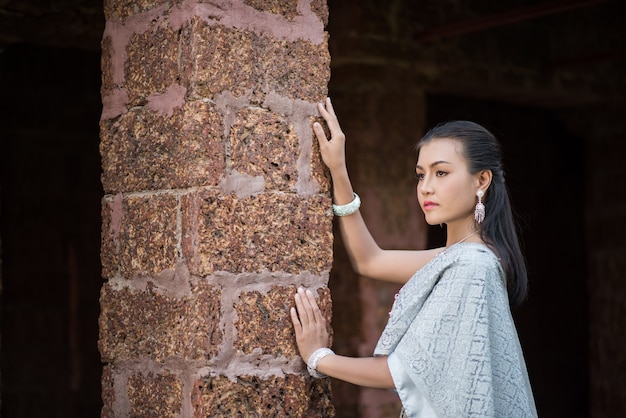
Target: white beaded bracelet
x=348, y=209
x=315, y=358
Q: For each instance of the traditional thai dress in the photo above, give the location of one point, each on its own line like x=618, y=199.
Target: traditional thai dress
x=451, y=343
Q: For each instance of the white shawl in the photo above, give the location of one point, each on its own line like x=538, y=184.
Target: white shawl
x=453, y=347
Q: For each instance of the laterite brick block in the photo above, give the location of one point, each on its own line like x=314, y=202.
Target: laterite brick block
x=320, y=8
x=249, y=396
x=286, y=8
x=136, y=323
x=155, y=395
x=122, y=9
x=152, y=63
x=263, y=144
x=106, y=65
x=108, y=392
x=144, y=150
x=240, y=62
x=263, y=321
x=265, y=232
x=139, y=236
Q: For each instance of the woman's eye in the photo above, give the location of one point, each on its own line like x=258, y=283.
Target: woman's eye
x=441, y=173
x=419, y=176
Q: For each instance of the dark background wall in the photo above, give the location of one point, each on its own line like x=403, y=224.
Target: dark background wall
x=551, y=86
x=50, y=224
x=546, y=77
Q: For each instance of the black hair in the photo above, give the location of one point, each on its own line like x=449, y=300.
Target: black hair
x=498, y=230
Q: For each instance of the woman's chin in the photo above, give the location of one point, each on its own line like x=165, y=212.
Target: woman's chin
x=433, y=221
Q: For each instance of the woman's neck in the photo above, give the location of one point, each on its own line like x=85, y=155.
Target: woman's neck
x=462, y=233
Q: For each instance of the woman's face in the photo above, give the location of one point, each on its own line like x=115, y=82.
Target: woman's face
x=446, y=190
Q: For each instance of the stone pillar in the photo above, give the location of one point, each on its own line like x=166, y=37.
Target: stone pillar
x=216, y=206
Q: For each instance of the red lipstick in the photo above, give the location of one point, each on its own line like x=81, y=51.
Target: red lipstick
x=428, y=205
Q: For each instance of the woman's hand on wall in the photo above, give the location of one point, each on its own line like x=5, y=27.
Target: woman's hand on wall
x=333, y=149
x=309, y=324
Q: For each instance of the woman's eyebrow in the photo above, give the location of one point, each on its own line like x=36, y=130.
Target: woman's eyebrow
x=433, y=164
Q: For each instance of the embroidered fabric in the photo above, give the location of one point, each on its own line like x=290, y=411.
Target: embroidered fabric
x=452, y=334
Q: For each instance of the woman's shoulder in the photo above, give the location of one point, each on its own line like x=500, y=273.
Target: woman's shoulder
x=459, y=258
x=473, y=254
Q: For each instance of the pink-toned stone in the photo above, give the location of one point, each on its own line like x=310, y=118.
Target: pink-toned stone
x=264, y=144
x=106, y=67
x=152, y=63
x=144, y=150
x=263, y=321
x=146, y=242
x=250, y=396
x=287, y=8
x=155, y=395
x=123, y=9
x=320, y=8
x=108, y=392
x=273, y=232
x=243, y=62
x=148, y=324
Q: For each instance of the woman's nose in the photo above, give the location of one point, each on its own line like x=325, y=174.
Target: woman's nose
x=425, y=186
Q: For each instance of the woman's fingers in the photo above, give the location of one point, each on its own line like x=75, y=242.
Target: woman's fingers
x=296, y=321
x=328, y=113
x=303, y=313
x=307, y=309
x=326, y=110
x=332, y=149
x=316, y=313
x=319, y=133
x=309, y=323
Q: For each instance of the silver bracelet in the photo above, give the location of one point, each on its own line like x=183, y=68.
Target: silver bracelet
x=315, y=358
x=348, y=209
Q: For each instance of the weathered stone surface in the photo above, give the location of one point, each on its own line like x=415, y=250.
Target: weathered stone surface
x=164, y=156
x=149, y=324
x=241, y=62
x=106, y=67
x=143, y=150
x=108, y=392
x=155, y=395
x=109, y=237
x=298, y=70
x=274, y=232
x=264, y=144
x=249, y=396
x=122, y=9
x=224, y=59
x=263, y=321
x=152, y=63
x=320, y=8
x=139, y=235
x=287, y=8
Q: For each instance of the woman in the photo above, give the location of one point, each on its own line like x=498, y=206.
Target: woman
x=450, y=348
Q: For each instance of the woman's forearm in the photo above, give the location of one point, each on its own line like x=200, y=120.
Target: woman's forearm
x=367, y=371
x=357, y=238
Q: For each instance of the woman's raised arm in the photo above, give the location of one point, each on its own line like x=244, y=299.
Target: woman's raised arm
x=367, y=258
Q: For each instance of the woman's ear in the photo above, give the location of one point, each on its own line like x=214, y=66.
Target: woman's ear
x=483, y=179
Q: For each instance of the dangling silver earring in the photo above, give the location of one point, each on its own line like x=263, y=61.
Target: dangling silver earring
x=479, y=212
